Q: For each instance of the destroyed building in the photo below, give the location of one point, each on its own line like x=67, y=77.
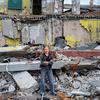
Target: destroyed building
x=25, y=25
x=52, y=21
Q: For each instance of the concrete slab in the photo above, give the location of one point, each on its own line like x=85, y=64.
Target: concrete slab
x=12, y=49
x=25, y=81
x=25, y=65
x=32, y=97
x=35, y=65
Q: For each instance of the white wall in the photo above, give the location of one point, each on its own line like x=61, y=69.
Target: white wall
x=73, y=28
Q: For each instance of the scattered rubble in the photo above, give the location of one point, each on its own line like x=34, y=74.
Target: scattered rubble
x=84, y=84
x=97, y=48
x=88, y=46
x=7, y=85
x=75, y=77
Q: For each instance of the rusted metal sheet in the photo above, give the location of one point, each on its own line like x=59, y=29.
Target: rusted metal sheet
x=80, y=53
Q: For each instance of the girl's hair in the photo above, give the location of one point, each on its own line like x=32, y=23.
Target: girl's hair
x=44, y=46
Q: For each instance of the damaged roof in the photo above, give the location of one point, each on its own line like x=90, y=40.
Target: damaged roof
x=68, y=15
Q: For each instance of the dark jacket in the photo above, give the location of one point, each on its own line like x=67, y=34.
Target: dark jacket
x=48, y=58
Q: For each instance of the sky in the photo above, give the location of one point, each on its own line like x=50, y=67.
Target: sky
x=85, y=2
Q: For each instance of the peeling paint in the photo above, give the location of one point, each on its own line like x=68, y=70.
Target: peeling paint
x=26, y=3
x=12, y=42
x=75, y=32
x=93, y=27
x=71, y=41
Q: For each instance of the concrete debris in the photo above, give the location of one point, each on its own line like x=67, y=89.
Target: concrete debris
x=97, y=48
x=56, y=48
x=34, y=49
x=22, y=64
x=6, y=84
x=61, y=44
x=32, y=97
x=75, y=77
x=98, y=66
x=7, y=89
x=12, y=49
x=62, y=57
x=8, y=28
x=75, y=92
x=28, y=65
x=11, y=88
x=89, y=46
x=66, y=48
x=25, y=81
x=84, y=84
x=81, y=84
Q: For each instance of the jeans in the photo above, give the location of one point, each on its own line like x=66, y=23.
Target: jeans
x=47, y=73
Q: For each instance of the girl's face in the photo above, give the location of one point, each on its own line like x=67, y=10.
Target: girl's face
x=46, y=50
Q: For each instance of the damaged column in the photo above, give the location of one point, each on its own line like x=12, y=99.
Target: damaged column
x=47, y=6
x=52, y=6
x=76, y=6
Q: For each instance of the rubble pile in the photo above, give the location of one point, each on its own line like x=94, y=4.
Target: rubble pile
x=77, y=77
x=62, y=44
x=7, y=84
x=17, y=85
x=82, y=82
